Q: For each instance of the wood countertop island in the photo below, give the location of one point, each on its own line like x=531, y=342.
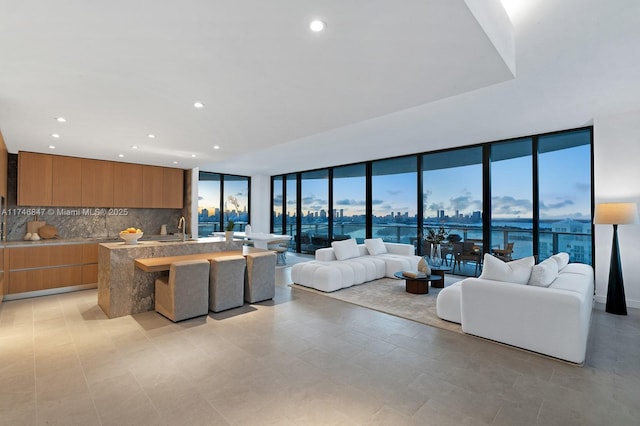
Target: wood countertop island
x=124, y=289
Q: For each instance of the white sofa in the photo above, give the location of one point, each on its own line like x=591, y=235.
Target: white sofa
x=347, y=263
x=544, y=308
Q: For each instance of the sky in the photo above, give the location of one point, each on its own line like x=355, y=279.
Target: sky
x=564, y=186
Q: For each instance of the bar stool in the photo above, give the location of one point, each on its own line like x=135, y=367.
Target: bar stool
x=226, y=283
x=184, y=293
x=260, y=277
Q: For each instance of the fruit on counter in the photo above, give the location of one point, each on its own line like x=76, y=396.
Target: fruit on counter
x=131, y=231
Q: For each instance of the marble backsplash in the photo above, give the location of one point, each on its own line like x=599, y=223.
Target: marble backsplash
x=92, y=222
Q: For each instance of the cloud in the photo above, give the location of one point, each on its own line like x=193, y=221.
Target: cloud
x=200, y=197
x=510, y=206
x=377, y=202
x=348, y=202
x=558, y=205
x=396, y=192
x=277, y=199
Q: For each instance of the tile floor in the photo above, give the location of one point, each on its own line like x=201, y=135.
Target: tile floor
x=302, y=359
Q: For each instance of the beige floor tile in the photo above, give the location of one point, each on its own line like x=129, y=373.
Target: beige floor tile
x=300, y=359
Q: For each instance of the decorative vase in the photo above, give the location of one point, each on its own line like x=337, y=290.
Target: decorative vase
x=228, y=236
x=435, y=256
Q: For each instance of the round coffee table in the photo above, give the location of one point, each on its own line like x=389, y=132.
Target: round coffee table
x=417, y=285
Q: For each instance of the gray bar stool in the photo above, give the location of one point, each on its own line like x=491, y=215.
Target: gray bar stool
x=184, y=293
x=226, y=283
x=260, y=278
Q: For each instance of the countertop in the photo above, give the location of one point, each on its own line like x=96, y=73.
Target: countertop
x=114, y=241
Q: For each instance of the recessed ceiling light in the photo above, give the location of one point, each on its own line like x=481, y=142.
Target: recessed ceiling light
x=175, y=162
x=193, y=156
x=134, y=146
x=52, y=147
x=151, y=136
x=198, y=105
x=216, y=147
x=61, y=119
x=55, y=135
x=317, y=25
x=121, y=155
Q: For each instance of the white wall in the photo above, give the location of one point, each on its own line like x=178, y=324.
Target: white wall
x=617, y=178
x=260, y=203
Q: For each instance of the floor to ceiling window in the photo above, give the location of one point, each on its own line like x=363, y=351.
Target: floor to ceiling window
x=222, y=198
x=314, y=205
x=452, y=198
x=394, y=199
x=565, y=195
x=350, y=202
x=290, y=206
x=208, y=204
x=236, y=201
x=495, y=195
x=512, y=197
x=277, y=205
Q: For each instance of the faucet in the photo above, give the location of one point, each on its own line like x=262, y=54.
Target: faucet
x=183, y=227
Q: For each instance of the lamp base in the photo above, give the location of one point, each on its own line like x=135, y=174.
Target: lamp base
x=616, y=301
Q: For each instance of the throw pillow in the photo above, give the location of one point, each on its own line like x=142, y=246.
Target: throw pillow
x=562, y=259
x=375, y=246
x=345, y=249
x=423, y=266
x=543, y=274
x=517, y=271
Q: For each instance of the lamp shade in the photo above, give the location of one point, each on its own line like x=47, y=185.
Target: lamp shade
x=616, y=213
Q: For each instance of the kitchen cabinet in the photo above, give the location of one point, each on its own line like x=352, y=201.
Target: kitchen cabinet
x=173, y=188
x=35, y=179
x=55, y=180
x=127, y=185
x=97, y=183
x=152, y=186
x=45, y=267
x=66, y=181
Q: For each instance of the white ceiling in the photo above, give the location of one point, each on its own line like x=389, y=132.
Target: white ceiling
x=384, y=79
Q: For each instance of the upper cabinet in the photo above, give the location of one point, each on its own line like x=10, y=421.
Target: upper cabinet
x=66, y=181
x=35, y=179
x=173, y=188
x=127, y=185
x=97, y=183
x=152, y=186
x=52, y=180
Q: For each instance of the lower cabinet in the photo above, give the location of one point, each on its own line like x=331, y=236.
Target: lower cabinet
x=50, y=266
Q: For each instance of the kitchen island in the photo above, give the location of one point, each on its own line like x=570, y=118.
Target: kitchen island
x=124, y=289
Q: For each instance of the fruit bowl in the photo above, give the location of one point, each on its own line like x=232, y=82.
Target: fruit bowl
x=131, y=237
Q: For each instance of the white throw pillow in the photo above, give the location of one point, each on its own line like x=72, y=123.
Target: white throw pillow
x=543, y=274
x=517, y=271
x=375, y=246
x=345, y=249
x=562, y=259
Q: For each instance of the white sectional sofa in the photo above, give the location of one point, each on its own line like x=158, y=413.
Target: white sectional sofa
x=347, y=263
x=545, y=308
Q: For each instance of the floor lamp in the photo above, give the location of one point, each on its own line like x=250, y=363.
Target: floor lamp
x=616, y=214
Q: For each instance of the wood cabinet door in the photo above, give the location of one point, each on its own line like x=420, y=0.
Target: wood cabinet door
x=34, y=179
x=67, y=181
x=152, y=186
x=173, y=192
x=97, y=183
x=127, y=185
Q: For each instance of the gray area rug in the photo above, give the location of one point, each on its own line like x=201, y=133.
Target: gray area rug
x=388, y=295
